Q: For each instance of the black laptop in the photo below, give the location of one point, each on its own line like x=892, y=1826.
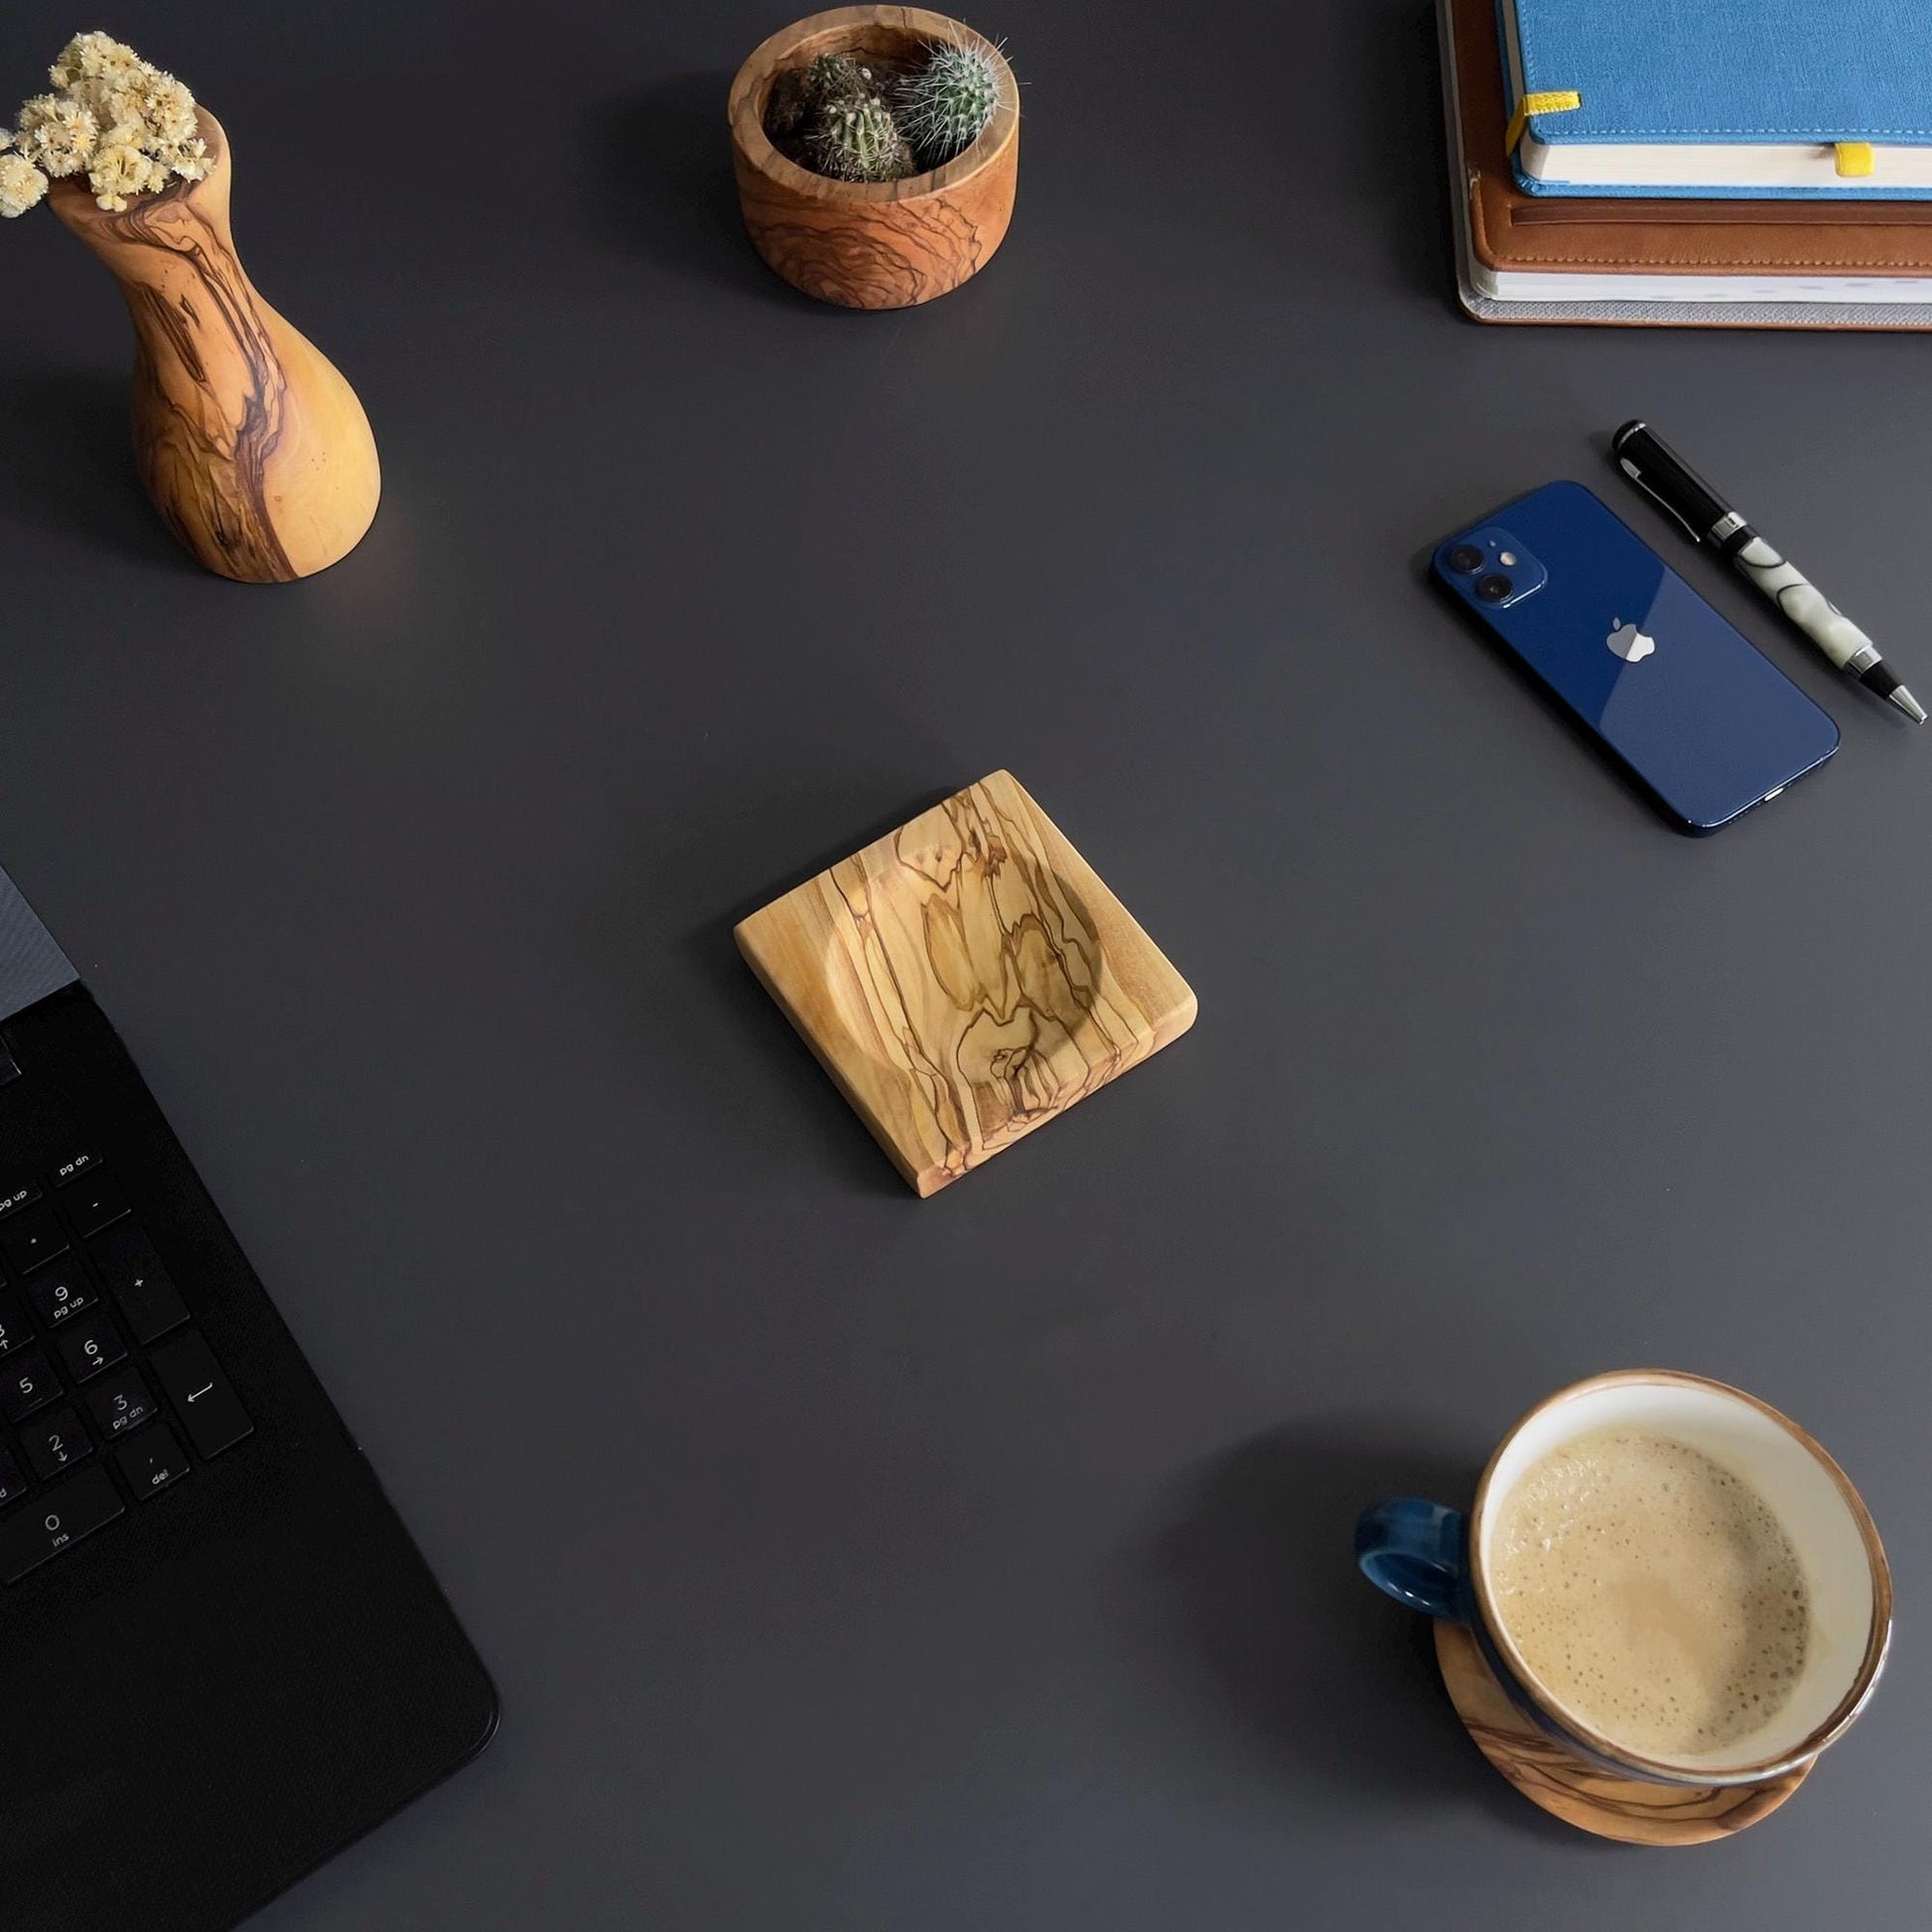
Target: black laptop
x=221, y=1658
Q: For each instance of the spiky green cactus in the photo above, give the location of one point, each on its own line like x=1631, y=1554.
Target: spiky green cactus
x=946, y=105
x=802, y=97
x=859, y=141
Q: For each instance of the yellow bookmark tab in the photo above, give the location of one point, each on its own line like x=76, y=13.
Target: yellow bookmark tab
x=1856, y=160
x=1561, y=103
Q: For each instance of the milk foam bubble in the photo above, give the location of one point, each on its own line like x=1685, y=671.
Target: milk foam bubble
x=1652, y=1592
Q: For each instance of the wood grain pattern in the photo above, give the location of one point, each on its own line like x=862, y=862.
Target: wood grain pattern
x=253, y=448
x=873, y=244
x=1624, y=1809
x=966, y=979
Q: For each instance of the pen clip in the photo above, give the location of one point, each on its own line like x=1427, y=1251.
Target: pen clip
x=1662, y=501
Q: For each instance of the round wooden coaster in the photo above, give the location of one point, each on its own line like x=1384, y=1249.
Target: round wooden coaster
x=1625, y=1809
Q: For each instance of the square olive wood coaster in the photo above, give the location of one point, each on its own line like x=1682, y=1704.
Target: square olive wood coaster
x=966, y=979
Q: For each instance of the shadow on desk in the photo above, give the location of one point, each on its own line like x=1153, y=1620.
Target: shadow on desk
x=67, y=462
x=1388, y=77
x=712, y=1038
x=1246, y=1588
x=661, y=177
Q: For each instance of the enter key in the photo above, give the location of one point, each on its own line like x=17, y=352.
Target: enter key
x=203, y=1396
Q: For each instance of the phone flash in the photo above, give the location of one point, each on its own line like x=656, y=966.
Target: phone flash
x=1508, y=557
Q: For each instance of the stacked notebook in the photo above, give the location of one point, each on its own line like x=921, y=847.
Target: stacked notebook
x=1766, y=163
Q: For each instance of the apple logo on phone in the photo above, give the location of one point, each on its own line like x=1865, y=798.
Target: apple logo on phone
x=1630, y=643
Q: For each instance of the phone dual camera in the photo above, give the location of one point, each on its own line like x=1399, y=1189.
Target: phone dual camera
x=1491, y=567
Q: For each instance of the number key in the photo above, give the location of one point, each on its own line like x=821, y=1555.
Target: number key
x=90, y=1347
x=12, y=1482
x=55, y=1442
x=58, y=1520
x=14, y=1333
x=27, y=1384
x=120, y=1403
x=64, y=1292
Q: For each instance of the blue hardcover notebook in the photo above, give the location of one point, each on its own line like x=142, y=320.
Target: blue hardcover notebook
x=1720, y=97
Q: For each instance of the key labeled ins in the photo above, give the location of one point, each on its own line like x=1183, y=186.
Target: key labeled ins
x=55, y=1520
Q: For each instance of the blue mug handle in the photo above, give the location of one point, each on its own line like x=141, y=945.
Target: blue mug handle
x=1418, y=1552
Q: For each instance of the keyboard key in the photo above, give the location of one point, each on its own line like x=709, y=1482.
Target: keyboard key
x=14, y=1331
x=129, y=1266
x=90, y=1347
x=57, y=1521
x=150, y=1461
x=81, y=1161
x=61, y=1293
x=93, y=1203
x=192, y=1379
x=32, y=1237
x=54, y=1442
x=27, y=1384
x=9, y=1067
x=120, y=1403
x=12, y=1483
x=18, y=1194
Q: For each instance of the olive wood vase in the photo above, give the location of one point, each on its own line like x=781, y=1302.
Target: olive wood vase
x=884, y=244
x=255, y=451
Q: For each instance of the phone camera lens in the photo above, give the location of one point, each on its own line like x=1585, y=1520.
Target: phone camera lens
x=1494, y=589
x=1466, y=557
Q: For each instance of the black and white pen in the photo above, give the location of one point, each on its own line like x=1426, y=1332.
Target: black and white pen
x=1662, y=474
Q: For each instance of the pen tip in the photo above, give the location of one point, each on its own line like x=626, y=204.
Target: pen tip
x=1909, y=705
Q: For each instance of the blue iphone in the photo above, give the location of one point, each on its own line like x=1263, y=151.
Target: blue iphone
x=1683, y=700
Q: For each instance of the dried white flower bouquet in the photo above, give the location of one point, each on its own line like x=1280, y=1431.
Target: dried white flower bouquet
x=124, y=124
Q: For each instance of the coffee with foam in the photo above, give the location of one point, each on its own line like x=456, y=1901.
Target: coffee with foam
x=1651, y=1591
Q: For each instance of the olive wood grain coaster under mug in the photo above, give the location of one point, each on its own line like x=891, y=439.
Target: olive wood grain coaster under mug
x=1587, y=1796
x=884, y=244
x=965, y=980
x=1553, y=1743
x=255, y=451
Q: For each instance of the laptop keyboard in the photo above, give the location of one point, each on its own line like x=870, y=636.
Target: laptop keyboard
x=108, y=1394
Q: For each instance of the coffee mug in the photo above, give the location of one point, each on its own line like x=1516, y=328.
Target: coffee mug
x=1437, y=1561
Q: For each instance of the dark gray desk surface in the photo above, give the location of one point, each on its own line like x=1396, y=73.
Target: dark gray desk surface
x=856, y=1565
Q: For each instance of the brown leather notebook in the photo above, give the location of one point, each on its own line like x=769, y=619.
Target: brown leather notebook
x=1513, y=232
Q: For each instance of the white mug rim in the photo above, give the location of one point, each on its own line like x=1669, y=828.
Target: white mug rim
x=1665, y=1770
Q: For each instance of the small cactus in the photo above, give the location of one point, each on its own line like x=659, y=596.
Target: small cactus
x=802, y=97
x=944, y=107
x=842, y=80
x=859, y=141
